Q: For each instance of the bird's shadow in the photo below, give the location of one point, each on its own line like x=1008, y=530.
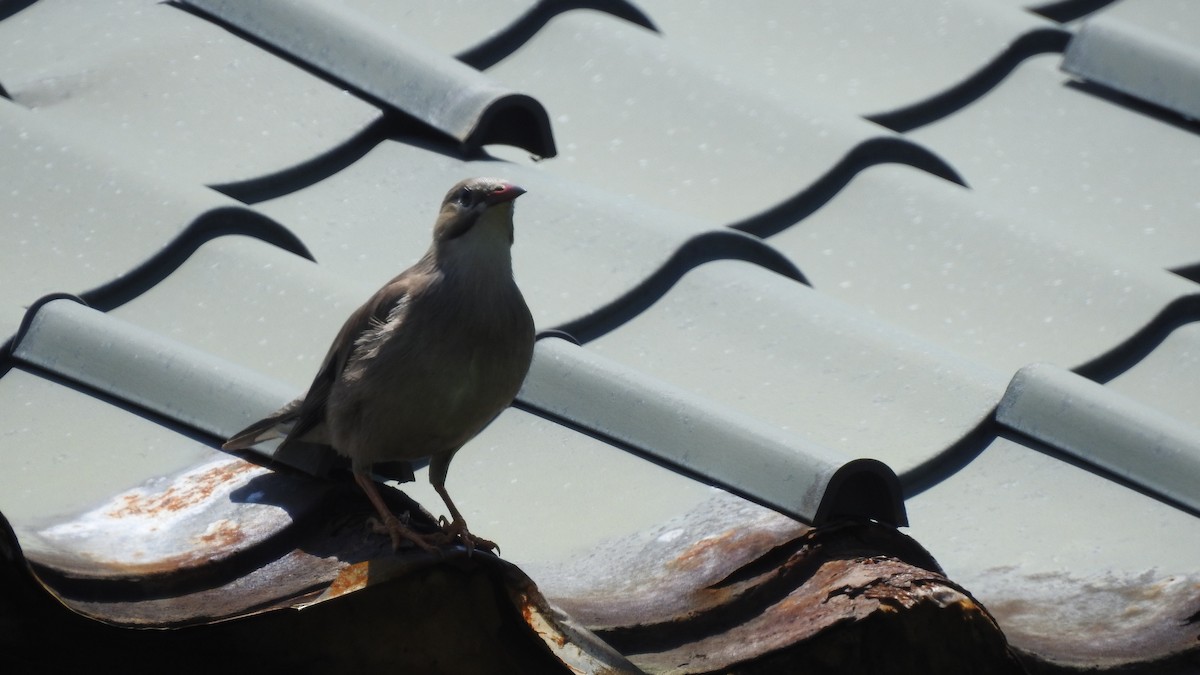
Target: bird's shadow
x=330, y=516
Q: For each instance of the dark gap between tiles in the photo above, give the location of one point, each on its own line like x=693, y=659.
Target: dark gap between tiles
x=12, y=7
x=216, y=223
x=1070, y=10
x=1114, y=362
x=934, y=108
x=306, y=174
x=953, y=459
x=315, y=170
x=885, y=150
x=1189, y=272
x=703, y=248
x=500, y=45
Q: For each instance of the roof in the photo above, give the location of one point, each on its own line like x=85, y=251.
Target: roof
x=927, y=263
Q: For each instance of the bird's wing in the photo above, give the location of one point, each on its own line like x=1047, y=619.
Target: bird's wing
x=311, y=411
x=305, y=414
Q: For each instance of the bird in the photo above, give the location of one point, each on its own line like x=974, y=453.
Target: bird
x=425, y=363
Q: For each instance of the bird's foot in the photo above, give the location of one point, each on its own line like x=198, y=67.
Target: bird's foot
x=456, y=530
x=401, y=533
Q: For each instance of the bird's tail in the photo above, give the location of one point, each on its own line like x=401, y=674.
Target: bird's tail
x=278, y=425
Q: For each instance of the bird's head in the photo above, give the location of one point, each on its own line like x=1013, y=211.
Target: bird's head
x=475, y=210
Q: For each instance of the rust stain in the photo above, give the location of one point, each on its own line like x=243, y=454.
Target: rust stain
x=526, y=610
x=179, y=496
x=350, y=579
x=719, y=547
x=223, y=534
x=701, y=551
x=536, y=619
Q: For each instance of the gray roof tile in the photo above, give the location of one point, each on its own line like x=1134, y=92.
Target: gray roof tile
x=868, y=57
x=77, y=218
x=1168, y=378
x=974, y=275
x=449, y=27
x=395, y=70
x=1149, y=53
x=1050, y=149
x=673, y=426
x=141, y=368
x=235, y=288
x=773, y=349
x=562, y=229
x=1174, y=20
x=481, y=39
x=635, y=116
x=1098, y=426
x=159, y=81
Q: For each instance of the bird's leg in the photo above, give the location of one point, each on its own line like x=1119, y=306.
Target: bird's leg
x=457, y=527
x=391, y=524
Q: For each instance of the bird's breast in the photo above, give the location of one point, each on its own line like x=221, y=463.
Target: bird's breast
x=433, y=376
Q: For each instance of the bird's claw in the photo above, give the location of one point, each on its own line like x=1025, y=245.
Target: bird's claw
x=400, y=533
x=454, y=531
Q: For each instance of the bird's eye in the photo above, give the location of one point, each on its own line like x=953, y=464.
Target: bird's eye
x=464, y=197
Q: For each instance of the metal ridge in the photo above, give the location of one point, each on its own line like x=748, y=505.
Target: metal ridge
x=760, y=462
x=1106, y=430
x=392, y=70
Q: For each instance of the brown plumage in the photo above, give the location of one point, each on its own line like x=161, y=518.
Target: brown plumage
x=427, y=361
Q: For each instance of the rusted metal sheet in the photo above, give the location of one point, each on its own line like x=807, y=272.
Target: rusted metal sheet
x=270, y=592
x=737, y=588
x=279, y=570
x=873, y=614
x=1132, y=626
x=573, y=645
x=169, y=525
x=264, y=567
